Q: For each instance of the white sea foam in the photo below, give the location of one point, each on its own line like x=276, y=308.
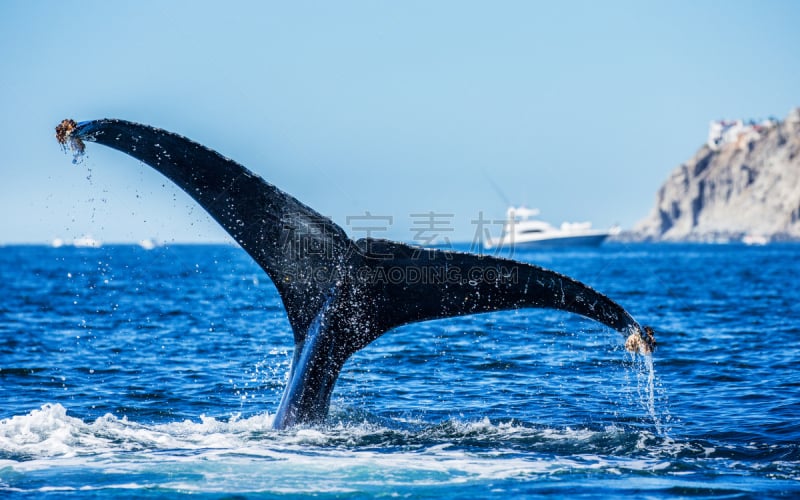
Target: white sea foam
x=246, y=455
x=50, y=432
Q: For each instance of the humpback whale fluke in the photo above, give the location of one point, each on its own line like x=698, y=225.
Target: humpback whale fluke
x=341, y=294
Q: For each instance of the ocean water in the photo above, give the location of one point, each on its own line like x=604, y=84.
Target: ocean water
x=129, y=373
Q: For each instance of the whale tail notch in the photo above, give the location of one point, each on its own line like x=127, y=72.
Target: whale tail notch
x=339, y=294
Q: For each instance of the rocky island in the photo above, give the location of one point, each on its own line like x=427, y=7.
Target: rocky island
x=742, y=185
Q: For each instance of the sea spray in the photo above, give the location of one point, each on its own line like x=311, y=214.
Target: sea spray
x=652, y=397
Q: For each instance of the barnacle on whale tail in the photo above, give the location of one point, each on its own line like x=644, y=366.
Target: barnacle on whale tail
x=68, y=141
x=643, y=342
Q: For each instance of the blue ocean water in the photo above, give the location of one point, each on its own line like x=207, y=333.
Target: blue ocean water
x=134, y=373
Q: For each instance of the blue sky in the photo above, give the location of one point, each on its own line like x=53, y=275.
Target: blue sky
x=393, y=108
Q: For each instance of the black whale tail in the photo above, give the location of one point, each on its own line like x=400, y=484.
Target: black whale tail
x=339, y=294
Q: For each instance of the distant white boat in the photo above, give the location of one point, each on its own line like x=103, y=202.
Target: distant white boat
x=86, y=242
x=148, y=244
x=755, y=239
x=57, y=243
x=523, y=230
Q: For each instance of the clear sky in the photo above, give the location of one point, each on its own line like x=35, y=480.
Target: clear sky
x=393, y=108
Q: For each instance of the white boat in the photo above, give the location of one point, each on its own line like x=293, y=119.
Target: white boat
x=86, y=241
x=148, y=244
x=755, y=239
x=522, y=230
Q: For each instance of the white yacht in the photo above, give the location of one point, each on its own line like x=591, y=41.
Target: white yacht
x=521, y=230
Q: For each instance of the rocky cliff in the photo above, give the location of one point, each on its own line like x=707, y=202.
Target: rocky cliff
x=745, y=184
